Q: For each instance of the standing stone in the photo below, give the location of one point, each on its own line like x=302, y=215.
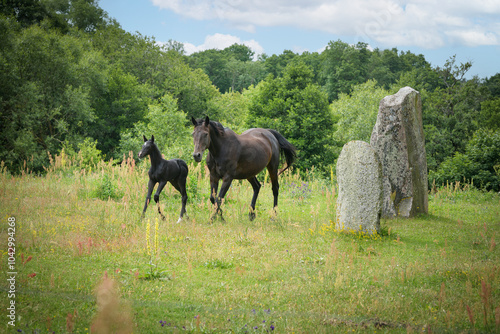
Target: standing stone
x=359, y=177
x=398, y=138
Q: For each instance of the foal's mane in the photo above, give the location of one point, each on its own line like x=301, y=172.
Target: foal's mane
x=216, y=126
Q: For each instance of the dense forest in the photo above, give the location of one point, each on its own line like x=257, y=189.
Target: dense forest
x=72, y=80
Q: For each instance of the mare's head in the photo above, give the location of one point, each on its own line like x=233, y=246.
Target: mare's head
x=148, y=146
x=201, y=137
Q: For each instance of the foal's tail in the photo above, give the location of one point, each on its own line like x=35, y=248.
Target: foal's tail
x=287, y=149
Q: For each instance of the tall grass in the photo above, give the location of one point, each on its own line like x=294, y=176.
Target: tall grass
x=285, y=272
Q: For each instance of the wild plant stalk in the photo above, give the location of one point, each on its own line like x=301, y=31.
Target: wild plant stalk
x=152, y=252
x=485, y=298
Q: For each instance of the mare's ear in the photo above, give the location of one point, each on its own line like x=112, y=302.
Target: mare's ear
x=152, y=138
x=145, y=139
x=194, y=121
x=207, y=121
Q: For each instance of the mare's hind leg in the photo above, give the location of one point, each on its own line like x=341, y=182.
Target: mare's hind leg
x=273, y=175
x=161, y=185
x=256, y=188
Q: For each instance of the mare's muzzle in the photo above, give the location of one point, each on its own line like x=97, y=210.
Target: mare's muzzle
x=197, y=156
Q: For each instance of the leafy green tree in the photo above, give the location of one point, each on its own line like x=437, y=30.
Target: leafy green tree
x=299, y=110
x=479, y=164
x=176, y=46
x=86, y=15
x=192, y=89
x=244, y=74
x=230, y=69
x=493, y=85
x=213, y=63
x=26, y=12
x=314, y=61
x=230, y=109
x=387, y=66
x=451, y=112
x=167, y=124
x=163, y=69
x=239, y=52
x=9, y=30
x=344, y=65
x=490, y=114
x=424, y=80
x=86, y=154
x=275, y=64
x=47, y=102
x=357, y=113
x=118, y=104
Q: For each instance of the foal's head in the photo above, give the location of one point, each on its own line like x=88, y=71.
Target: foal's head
x=148, y=146
x=201, y=137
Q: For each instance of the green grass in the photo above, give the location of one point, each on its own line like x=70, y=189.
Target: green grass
x=285, y=273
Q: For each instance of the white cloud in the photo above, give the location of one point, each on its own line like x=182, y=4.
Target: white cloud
x=473, y=37
x=221, y=41
x=424, y=23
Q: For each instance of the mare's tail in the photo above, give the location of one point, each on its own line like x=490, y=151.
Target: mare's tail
x=288, y=150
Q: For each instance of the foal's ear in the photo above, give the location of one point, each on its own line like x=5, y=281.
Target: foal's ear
x=207, y=121
x=145, y=139
x=152, y=138
x=194, y=121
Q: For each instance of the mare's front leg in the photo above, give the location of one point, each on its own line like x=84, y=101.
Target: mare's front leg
x=151, y=186
x=161, y=185
x=226, y=183
x=214, y=186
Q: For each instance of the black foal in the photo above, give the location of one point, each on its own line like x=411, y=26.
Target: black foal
x=162, y=171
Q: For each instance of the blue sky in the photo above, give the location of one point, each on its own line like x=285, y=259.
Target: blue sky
x=438, y=29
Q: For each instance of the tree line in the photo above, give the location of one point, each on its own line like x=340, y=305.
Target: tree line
x=72, y=79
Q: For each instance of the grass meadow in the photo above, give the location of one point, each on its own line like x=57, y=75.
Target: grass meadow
x=86, y=262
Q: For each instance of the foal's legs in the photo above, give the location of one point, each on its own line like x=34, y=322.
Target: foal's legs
x=180, y=185
x=151, y=186
x=161, y=185
x=256, y=188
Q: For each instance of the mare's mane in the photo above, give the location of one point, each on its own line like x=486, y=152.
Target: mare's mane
x=216, y=126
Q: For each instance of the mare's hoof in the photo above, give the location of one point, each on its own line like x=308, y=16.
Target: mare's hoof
x=217, y=217
x=251, y=216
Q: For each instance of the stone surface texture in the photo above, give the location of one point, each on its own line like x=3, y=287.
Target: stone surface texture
x=398, y=139
x=359, y=177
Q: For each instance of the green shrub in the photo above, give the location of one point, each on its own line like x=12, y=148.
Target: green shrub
x=106, y=189
x=88, y=154
x=478, y=165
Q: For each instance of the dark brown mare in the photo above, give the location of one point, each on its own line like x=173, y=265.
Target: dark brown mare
x=231, y=156
x=162, y=171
